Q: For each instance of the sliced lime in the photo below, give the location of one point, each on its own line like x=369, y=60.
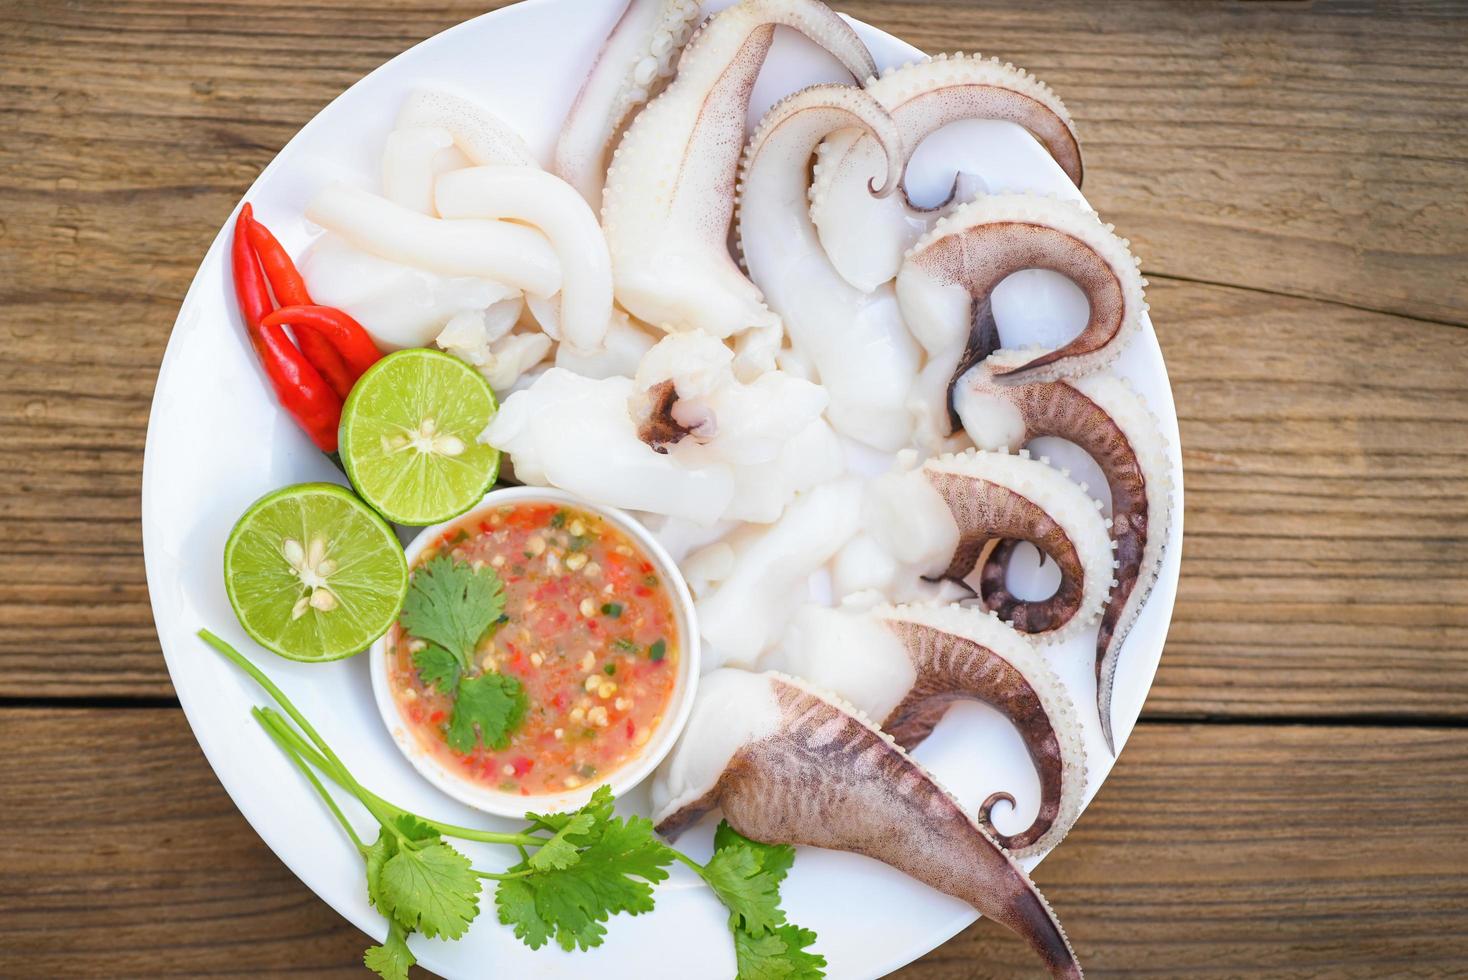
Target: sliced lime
x=409, y=437
x=313, y=574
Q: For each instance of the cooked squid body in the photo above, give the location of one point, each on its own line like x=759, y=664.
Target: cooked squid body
x=514, y=255
x=765, y=577
x=946, y=282
x=574, y=433
x=633, y=66
x=400, y=305
x=1102, y=415
x=937, y=518
x=865, y=236
x=670, y=191
x=855, y=341
x=411, y=162
x=533, y=197
x=906, y=665
x=788, y=764
x=688, y=397
x=483, y=138
x=627, y=342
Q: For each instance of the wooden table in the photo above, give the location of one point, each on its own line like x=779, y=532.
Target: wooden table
x=1293, y=175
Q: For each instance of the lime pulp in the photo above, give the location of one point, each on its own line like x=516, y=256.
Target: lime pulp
x=409, y=437
x=314, y=574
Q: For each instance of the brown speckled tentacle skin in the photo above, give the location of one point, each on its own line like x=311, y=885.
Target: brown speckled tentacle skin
x=983, y=257
x=988, y=511
x=825, y=778
x=954, y=668
x=1061, y=409
x=929, y=111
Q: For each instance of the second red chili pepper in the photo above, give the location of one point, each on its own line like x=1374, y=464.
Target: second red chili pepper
x=299, y=387
x=348, y=337
x=290, y=290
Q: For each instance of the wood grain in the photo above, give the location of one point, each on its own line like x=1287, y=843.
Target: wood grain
x=1214, y=851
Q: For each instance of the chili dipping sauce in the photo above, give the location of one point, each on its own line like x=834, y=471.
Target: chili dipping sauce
x=591, y=635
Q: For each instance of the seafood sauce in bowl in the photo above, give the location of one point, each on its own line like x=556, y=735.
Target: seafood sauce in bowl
x=596, y=643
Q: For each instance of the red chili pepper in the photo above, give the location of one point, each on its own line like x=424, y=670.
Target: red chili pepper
x=299, y=387
x=290, y=290
x=345, y=334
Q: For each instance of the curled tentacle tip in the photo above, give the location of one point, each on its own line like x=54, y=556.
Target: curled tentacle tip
x=987, y=807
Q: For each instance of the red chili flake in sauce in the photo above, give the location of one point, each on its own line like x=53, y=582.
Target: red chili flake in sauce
x=553, y=647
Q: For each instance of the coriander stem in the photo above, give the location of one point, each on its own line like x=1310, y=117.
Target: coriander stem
x=506, y=876
x=242, y=662
x=373, y=802
x=306, y=771
x=685, y=859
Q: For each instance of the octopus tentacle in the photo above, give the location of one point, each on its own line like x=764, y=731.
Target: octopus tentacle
x=670, y=192
x=532, y=196
x=866, y=238
x=940, y=516
x=856, y=341
x=790, y=765
x=908, y=664
x=948, y=277
x=633, y=66
x=1110, y=422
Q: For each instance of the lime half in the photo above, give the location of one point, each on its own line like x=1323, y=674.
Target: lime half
x=409, y=437
x=313, y=574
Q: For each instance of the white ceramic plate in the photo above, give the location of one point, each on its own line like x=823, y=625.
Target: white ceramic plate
x=216, y=442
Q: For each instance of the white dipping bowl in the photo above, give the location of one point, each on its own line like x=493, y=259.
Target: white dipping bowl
x=621, y=779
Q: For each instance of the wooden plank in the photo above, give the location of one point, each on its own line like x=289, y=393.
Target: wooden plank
x=1213, y=851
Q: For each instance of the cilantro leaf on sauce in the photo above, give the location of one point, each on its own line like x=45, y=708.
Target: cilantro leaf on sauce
x=437, y=667
x=453, y=605
x=492, y=704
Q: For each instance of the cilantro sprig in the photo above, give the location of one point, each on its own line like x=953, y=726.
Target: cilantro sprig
x=450, y=606
x=575, y=870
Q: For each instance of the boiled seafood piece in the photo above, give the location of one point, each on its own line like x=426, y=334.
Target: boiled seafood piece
x=670, y=191
x=906, y=665
x=947, y=279
x=1108, y=420
x=938, y=517
x=790, y=765
x=866, y=237
x=483, y=138
x=854, y=340
x=531, y=196
x=634, y=64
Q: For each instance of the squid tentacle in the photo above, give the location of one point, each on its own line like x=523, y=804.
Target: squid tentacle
x=669, y=199
x=941, y=516
x=634, y=64
x=948, y=277
x=1110, y=422
x=863, y=354
x=866, y=238
x=799, y=767
x=908, y=664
